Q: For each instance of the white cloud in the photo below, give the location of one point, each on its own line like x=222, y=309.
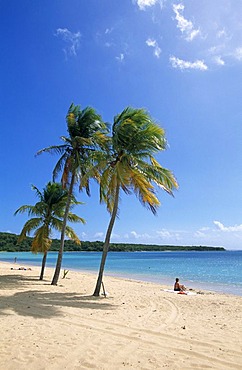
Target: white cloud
x=120, y=58
x=219, y=36
x=71, y=39
x=238, y=54
x=185, y=26
x=199, y=234
x=222, y=50
x=156, y=236
x=153, y=43
x=228, y=236
x=218, y=235
x=219, y=61
x=99, y=235
x=135, y=235
x=115, y=236
x=221, y=227
x=192, y=35
x=143, y=4
x=183, y=64
x=216, y=49
x=222, y=34
x=108, y=44
x=164, y=234
x=108, y=30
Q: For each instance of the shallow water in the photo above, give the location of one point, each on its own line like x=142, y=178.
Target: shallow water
x=217, y=271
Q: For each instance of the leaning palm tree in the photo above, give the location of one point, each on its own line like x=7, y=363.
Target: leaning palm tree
x=132, y=168
x=87, y=134
x=50, y=212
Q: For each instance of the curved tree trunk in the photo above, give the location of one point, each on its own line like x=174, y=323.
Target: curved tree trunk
x=43, y=266
x=106, y=244
x=61, y=250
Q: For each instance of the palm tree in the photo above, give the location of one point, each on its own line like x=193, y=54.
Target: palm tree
x=132, y=168
x=87, y=134
x=50, y=212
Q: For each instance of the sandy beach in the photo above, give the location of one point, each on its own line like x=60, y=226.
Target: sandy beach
x=137, y=326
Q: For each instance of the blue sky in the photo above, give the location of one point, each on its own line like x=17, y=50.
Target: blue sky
x=181, y=60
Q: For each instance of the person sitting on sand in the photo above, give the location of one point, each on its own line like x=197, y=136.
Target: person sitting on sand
x=179, y=287
x=21, y=268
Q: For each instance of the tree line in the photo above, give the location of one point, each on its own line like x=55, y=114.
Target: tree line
x=9, y=243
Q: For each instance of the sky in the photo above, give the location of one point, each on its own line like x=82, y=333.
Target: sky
x=180, y=60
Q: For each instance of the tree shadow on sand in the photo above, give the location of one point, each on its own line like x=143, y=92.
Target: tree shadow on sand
x=17, y=280
x=43, y=303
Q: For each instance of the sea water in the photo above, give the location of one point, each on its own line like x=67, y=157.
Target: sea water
x=210, y=270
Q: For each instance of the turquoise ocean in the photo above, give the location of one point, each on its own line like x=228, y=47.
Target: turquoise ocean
x=216, y=271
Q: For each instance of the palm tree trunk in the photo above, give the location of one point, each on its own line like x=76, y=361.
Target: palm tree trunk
x=43, y=266
x=106, y=244
x=61, y=250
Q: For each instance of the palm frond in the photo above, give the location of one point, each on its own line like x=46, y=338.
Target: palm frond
x=161, y=176
x=36, y=210
x=59, y=165
x=74, y=218
x=136, y=137
x=23, y=209
x=51, y=209
x=135, y=131
x=38, y=193
x=72, y=235
x=29, y=226
x=144, y=191
x=41, y=241
x=65, y=179
x=123, y=174
x=54, y=149
x=56, y=223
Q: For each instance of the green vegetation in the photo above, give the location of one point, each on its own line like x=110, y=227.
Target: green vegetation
x=8, y=243
x=120, y=160
x=49, y=212
x=87, y=136
x=130, y=166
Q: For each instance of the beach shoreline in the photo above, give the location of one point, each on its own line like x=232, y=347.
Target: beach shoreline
x=161, y=270
x=137, y=326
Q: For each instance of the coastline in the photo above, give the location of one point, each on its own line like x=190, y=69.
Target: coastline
x=138, y=325
x=195, y=271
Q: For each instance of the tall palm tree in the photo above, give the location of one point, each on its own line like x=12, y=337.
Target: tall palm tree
x=132, y=168
x=87, y=134
x=50, y=212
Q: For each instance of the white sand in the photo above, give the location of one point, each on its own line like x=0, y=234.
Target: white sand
x=138, y=326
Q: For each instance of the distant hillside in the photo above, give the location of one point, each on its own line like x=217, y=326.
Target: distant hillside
x=8, y=243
